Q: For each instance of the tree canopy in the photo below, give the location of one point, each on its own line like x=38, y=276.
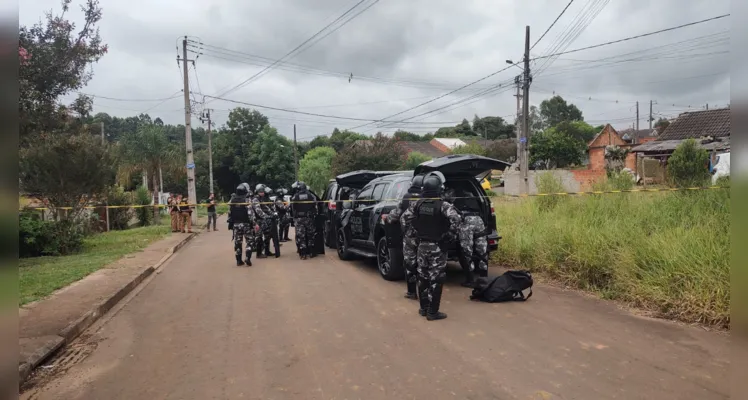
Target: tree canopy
x=315, y=169
x=556, y=110
x=380, y=153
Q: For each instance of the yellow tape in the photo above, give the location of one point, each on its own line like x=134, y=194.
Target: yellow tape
x=395, y=200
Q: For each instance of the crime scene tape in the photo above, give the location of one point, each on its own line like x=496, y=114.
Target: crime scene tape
x=595, y=192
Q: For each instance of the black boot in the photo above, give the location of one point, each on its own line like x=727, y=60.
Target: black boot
x=436, y=298
x=411, y=293
x=239, y=261
x=249, y=258
x=469, y=279
x=423, y=296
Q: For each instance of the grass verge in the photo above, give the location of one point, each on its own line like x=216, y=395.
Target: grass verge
x=40, y=276
x=665, y=252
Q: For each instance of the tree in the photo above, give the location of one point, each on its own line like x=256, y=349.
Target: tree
x=408, y=136
x=148, y=150
x=381, y=153
x=414, y=159
x=340, y=139
x=504, y=150
x=67, y=171
x=315, y=169
x=55, y=60
x=661, y=125
x=493, y=128
x=269, y=161
x=537, y=123
x=579, y=130
x=688, y=166
x=464, y=128
x=555, y=149
x=470, y=148
x=556, y=110
x=319, y=141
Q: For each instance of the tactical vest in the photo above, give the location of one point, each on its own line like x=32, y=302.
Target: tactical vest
x=305, y=207
x=429, y=223
x=239, y=213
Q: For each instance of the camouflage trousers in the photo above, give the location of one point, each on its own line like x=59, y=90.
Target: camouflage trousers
x=474, y=250
x=245, y=232
x=410, y=257
x=432, y=265
x=304, y=235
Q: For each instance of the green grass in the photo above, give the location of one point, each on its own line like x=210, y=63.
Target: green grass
x=220, y=209
x=666, y=252
x=40, y=276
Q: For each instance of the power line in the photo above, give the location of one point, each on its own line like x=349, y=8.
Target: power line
x=552, y=24
x=250, y=79
x=96, y=96
x=633, y=37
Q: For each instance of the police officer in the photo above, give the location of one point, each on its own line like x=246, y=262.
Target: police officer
x=268, y=222
x=303, y=209
x=434, y=220
x=283, y=216
x=242, y=222
x=404, y=214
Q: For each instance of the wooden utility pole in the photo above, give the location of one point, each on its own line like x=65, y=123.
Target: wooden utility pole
x=518, y=127
x=295, y=156
x=191, y=195
x=636, y=129
x=103, y=140
x=106, y=203
x=650, y=115
x=206, y=118
x=526, y=113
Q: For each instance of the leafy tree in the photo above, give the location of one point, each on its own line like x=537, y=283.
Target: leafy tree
x=380, y=153
x=555, y=149
x=504, y=150
x=408, y=136
x=319, y=141
x=464, y=128
x=493, y=128
x=67, y=171
x=661, y=124
x=470, y=148
x=446, y=132
x=315, y=169
x=688, y=166
x=556, y=110
x=55, y=60
x=414, y=159
x=340, y=139
x=579, y=130
x=269, y=161
x=537, y=122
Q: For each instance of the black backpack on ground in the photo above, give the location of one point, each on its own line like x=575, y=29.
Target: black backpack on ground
x=505, y=287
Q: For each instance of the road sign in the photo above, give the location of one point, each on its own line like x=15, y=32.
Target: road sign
x=190, y=165
x=523, y=140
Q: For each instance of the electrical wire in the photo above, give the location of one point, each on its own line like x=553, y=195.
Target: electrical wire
x=552, y=24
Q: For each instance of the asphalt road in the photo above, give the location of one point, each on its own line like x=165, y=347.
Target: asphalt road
x=328, y=329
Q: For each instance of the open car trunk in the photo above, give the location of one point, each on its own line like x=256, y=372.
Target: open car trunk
x=462, y=165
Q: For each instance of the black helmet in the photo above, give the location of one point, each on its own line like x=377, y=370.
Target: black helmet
x=268, y=190
x=433, y=184
x=416, y=184
x=301, y=186
x=260, y=188
x=243, y=189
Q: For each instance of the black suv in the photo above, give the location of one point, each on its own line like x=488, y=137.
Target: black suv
x=340, y=189
x=361, y=227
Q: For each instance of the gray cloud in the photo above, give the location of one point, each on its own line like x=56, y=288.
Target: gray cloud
x=404, y=44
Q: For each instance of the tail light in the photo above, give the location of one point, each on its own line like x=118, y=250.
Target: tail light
x=331, y=206
x=493, y=211
x=384, y=217
x=491, y=242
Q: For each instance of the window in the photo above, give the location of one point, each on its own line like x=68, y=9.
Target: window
x=365, y=197
x=379, y=191
x=398, y=190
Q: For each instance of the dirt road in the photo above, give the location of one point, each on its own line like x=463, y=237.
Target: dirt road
x=328, y=329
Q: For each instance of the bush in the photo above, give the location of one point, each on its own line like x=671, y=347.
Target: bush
x=547, y=183
x=621, y=180
x=414, y=159
x=119, y=218
x=688, y=166
x=37, y=237
x=144, y=214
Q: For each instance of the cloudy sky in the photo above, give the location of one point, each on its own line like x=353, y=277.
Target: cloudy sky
x=404, y=53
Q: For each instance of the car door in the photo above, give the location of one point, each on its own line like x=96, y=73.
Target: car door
x=357, y=222
x=370, y=213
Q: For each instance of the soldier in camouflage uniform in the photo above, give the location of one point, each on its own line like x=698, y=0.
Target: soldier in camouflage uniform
x=434, y=220
x=267, y=219
x=241, y=221
x=303, y=209
x=473, y=244
x=404, y=214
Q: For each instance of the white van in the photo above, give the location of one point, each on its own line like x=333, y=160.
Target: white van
x=721, y=167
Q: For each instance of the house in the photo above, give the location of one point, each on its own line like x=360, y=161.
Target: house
x=640, y=136
x=424, y=148
x=710, y=128
x=446, y=144
x=608, y=136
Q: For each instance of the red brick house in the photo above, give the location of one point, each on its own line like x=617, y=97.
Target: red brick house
x=596, y=148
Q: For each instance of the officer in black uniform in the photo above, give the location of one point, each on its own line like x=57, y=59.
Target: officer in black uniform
x=283, y=216
x=403, y=215
x=241, y=221
x=268, y=221
x=435, y=220
x=303, y=209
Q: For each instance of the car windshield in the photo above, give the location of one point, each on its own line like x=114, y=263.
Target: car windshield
x=398, y=190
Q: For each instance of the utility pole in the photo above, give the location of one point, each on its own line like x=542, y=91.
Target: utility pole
x=526, y=112
x=106, y=203
x=102, y=132
x=518, y=127
x=650, y=115
x=707, y=106
x=636, y=130
x=204, y=118
x=191, y=195
x=295, y=156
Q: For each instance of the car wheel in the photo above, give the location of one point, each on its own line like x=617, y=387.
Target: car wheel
x=389, y=261
x=342, y=246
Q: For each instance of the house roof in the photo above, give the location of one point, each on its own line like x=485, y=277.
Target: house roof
x=423, y=147
x=488, y=143
x=450, y=143
x=697, y=124
x=668, y=146
x=630, y=133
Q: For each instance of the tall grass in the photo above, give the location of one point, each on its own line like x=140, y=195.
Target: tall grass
x=666, y=252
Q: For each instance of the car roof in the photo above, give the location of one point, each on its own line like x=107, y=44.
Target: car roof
x=462, y=164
